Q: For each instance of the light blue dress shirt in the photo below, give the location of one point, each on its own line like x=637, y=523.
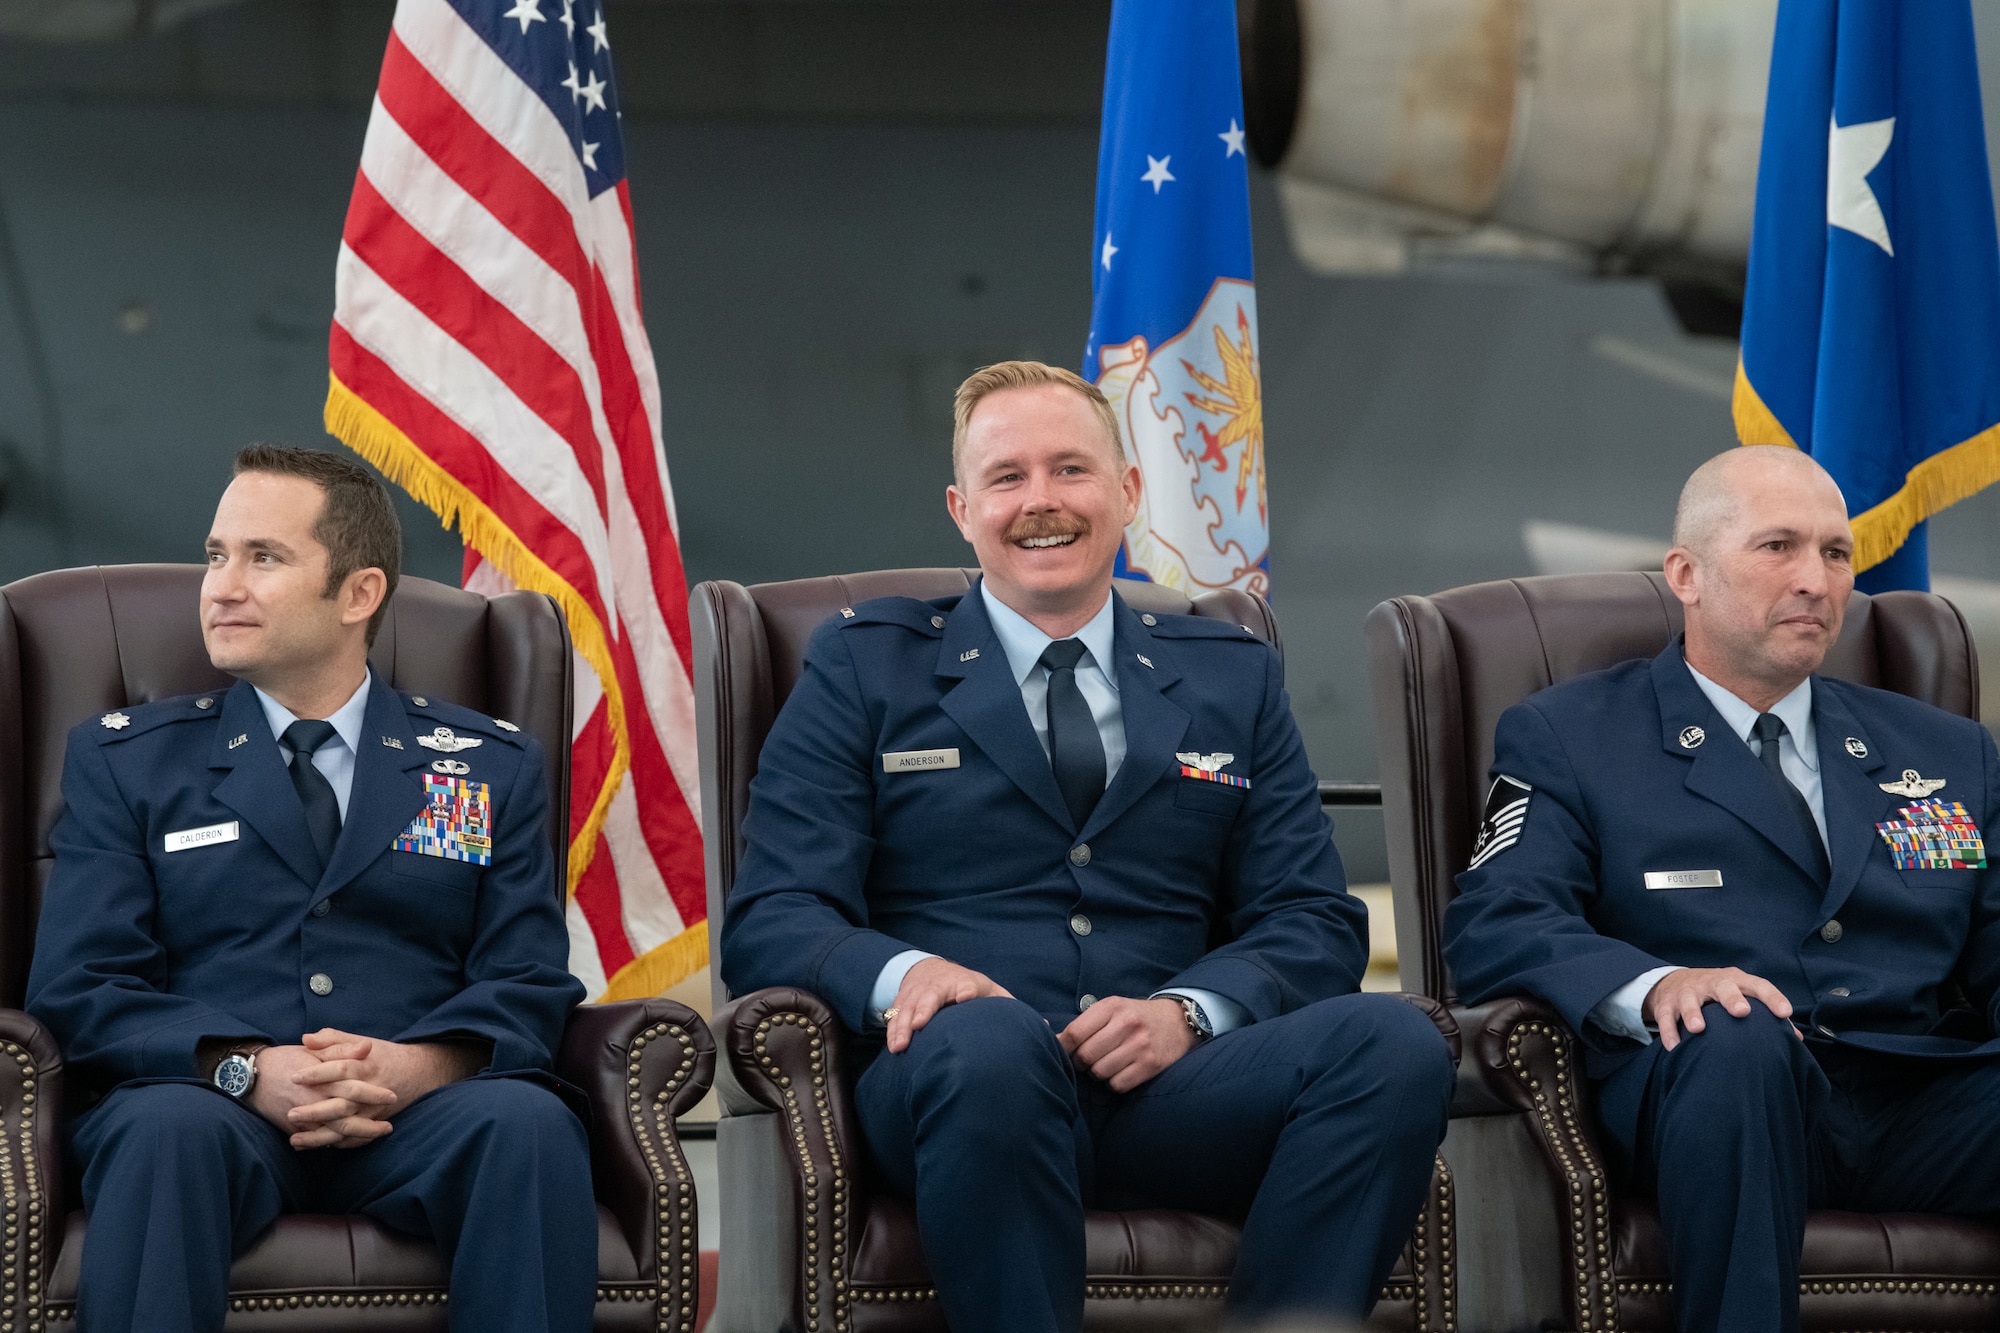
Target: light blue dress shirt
x=335, y=759
x=1024, y=645
x=1623, y=1011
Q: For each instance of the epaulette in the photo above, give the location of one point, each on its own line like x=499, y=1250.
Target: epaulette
x=459, y=719
x=1199, y=627
x=925, y=618
x=137, y=719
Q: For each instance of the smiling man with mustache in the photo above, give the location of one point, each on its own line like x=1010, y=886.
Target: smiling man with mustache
x=1062, y=870
x=1776, y=874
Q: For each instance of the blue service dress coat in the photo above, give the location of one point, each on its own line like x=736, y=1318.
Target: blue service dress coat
x=1632, y=772
x=150, y=942
x=1172, y=881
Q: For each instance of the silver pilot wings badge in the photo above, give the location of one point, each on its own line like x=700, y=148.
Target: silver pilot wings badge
x=1913, y=784
x=442, y=739
x=1207, y=763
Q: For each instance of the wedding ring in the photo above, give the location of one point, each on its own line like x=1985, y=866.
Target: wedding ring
x=888, y=1014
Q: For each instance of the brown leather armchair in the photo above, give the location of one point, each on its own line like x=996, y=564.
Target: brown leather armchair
x=80, y=642
x=806, y=1245
x=1548, y=1235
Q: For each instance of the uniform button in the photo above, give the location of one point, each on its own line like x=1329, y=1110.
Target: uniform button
x=1148, y=621
x=1840, y=992
x=1831, y=932
x=1825, y=1031
x=1079, y=855
x=204, y=703
x=320, y=984
x=1085, y=1002
x=1080, y=924
x=937, y=622
x=420, y=701
x=322, y=907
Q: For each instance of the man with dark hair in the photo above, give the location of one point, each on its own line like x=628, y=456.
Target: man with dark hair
x=1062, y=869
x=302, y=946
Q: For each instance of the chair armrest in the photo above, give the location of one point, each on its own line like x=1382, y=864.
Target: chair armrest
x=1522, y=1057
x=642, y=1063
x=31, y=1105
x=786, y=1051
x=1446, y=1021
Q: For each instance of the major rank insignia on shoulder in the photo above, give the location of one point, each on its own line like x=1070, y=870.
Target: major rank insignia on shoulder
x=1500, y=827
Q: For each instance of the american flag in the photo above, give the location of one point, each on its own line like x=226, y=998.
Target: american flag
x=488, y=355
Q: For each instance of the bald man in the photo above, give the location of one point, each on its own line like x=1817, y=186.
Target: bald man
x=1747, y=886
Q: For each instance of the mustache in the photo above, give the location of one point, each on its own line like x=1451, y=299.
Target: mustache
x=1048, y=525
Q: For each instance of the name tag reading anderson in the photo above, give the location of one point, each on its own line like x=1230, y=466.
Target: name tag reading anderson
x=915, y=761
x=1683, y=879
x=201, y=837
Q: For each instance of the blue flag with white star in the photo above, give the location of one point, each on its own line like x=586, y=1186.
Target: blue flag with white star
x=1871, y=320
x=1173, y=321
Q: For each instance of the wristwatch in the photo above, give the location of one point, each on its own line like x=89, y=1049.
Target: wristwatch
x=236, y=1074
x=1197, y=1017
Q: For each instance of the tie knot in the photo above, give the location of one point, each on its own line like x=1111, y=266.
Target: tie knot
x=1769, y=727
x=1063, y=654
x=306, y=735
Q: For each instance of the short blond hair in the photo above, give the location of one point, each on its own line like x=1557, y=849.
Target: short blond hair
x=1024, y=375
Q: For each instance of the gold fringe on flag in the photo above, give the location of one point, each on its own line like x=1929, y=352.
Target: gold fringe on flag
x=356, y=423
x=1935, y=484
x=652, y=972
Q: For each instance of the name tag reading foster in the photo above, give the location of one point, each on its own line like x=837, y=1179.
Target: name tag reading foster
x=1683, y=879
x=201, y=837
x=915, y=761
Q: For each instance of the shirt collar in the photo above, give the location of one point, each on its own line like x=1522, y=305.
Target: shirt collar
x=346, y=719
x=1024, y=644
x=1794, y=710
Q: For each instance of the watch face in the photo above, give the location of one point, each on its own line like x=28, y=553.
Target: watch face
x=233, y=1075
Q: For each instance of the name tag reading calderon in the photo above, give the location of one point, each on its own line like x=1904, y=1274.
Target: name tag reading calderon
x=916, y=761
x=1683, y=879
x=201, y=837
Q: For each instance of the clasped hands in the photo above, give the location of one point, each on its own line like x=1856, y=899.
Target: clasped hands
x=339, y=1090
x=1123, y=1042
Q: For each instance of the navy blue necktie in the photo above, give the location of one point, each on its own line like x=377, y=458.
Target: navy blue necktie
x=1075, y=749
x=1769, y=730
x=315, y=792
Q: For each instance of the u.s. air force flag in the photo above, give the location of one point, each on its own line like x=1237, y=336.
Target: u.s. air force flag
x=1173, y=322
x=1871, y=324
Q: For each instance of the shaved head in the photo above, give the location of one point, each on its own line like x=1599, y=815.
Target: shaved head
x=1762, y=563
x=1714, y=495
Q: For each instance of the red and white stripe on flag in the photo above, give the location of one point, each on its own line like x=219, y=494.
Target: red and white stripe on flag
x=488, y=355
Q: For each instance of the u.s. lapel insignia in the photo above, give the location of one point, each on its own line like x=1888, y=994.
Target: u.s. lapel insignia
x=454, y=766
x=1913, y=784
x=968, y=655
x=1856, y=748
x=115, y=721
x=1145, y=659
x=239, y=740
x=1208, y=767
x=392, y=742
x=443, y=740
x=1692, y=737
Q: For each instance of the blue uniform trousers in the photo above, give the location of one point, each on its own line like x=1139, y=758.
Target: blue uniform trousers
x=1318, y=1128
x=178, y=1179
x=1743, y=1127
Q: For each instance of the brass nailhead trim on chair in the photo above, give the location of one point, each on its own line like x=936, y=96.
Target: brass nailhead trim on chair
x=818, y=1243
x=1594, y=1285
x=673, y=1184
x=21, y=1188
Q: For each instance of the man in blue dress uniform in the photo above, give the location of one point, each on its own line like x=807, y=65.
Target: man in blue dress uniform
x=302, y=946
x=1063, y=871
x=1751, y=889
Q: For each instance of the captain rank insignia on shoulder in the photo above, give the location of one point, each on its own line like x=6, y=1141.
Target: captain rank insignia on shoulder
x=457, y=822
